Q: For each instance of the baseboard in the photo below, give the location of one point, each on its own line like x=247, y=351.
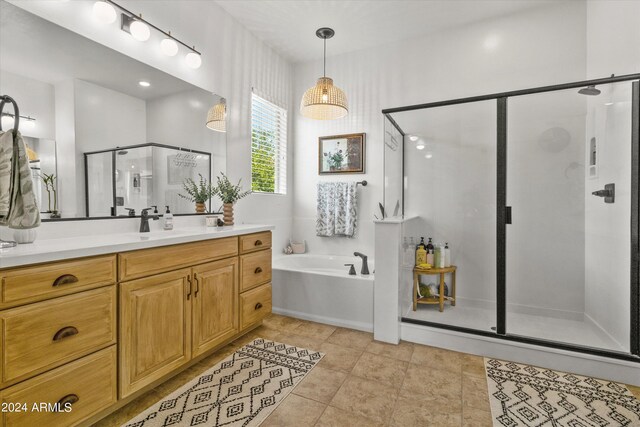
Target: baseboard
x=366, y=327
x=562, y=360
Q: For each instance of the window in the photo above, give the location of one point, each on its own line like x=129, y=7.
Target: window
x=268, y=147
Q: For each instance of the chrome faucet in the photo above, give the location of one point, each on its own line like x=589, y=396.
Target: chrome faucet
x=144, y=220
x=365, y=266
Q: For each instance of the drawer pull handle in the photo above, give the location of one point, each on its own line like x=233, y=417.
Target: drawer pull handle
x=258, y=243
x=67, y=331
x=258, y=306
x=68, y=399
x=65, y=279
x=195, y=278
x=258, y=270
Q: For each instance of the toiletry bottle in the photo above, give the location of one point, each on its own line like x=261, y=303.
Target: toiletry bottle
x=437, y=255
x=167, y=220
x=421, y=253
x=441, y=260
x=447, y=255
x=430, y=252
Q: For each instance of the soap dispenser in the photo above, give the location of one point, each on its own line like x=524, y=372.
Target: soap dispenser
x=168, y=220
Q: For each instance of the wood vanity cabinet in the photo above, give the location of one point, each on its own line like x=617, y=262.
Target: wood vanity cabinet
x=170, y=318
x=155, y=323
x=95, y=330
x=214, y=304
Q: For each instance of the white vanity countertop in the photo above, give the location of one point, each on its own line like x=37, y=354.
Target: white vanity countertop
x=47, y=250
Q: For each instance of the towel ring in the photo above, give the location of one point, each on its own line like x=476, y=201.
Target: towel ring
x=16, y=111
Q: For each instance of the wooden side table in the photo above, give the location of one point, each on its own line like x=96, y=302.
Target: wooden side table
x=441, y=298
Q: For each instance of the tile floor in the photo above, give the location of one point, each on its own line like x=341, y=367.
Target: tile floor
x=360, y=382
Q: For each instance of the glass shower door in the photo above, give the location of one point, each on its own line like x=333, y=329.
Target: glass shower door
x=568, y=184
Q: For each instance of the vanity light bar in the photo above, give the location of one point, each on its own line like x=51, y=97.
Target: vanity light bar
x=129, y=17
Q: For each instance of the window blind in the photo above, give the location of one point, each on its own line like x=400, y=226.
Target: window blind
x=268, y=146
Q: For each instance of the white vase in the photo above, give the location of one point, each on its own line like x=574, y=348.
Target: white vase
x=24, y=235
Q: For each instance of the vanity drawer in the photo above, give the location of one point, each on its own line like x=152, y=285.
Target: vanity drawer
x=41, y=336
x=146, y=262
x=36, y=283
x=89, y=384
x=255, y=305
x=255, y=242
x=255, y=268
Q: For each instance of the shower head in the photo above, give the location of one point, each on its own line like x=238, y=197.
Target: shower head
x=589, y=90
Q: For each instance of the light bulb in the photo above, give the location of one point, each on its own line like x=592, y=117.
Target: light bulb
x=193, y=60
x=140, y=31
x=413, y=138
x=428, y=155
x=104, y=12
x=420, y=146
x=144, y=83
x=325, y=97
x=169, y=47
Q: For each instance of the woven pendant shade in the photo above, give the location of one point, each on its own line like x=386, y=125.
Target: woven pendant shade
x=217, y=117
x=324, y=101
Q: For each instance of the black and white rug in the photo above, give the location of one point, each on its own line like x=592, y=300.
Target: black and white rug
x=523, y=395
x=242, y=390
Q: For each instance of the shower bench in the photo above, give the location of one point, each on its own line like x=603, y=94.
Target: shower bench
x=441, y=298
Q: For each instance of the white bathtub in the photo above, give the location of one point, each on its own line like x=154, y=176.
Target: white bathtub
x=319, y=288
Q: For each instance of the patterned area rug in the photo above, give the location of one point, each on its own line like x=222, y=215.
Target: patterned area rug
x=242, y=390
x=523, y=395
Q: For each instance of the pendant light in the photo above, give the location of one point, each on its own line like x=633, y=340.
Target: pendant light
x=216, y=118
x=324, y=101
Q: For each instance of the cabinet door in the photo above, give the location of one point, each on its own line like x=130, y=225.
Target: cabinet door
x=155, y=325
x=215, y=304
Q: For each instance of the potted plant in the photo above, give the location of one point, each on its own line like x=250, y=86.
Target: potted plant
x=335, y=160
x=198, y=192
x=49, y=181
x=229, y=194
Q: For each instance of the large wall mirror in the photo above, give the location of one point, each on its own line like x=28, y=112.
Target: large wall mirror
x=115, y=134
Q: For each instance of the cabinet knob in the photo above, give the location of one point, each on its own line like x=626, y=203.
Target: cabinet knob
x=68, y=399
x=65, y=279
x=258, y=270
x=258, y=306
x=258, y=243
x=67, y=331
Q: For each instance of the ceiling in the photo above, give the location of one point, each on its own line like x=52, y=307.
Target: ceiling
x=289, y=26
x=38, y=49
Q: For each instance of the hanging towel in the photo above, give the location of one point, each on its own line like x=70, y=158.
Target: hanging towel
x=23, y=210
x=337, y=209
x=6, y=151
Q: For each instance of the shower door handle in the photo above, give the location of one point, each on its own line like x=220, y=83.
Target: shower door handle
x=609, y=193
x=507, y=214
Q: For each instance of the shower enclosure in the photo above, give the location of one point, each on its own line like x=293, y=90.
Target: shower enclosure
x=129, y=179
x=536, y=193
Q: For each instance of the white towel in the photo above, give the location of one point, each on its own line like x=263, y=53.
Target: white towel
x=6, y=154
x=23, y=210
x=337, y=209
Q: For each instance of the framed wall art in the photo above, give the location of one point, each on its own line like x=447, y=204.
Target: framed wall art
x=340, y=154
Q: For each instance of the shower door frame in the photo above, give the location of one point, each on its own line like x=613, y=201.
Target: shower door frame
x=503, y=215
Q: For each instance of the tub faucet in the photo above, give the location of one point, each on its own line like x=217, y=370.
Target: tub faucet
x=144, y=220
x=365, y=266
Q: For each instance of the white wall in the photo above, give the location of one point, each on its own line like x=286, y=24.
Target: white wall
x=104, y=119
x=507, y=53
x=607, y=226
x=233, y=62
x=36, y=100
